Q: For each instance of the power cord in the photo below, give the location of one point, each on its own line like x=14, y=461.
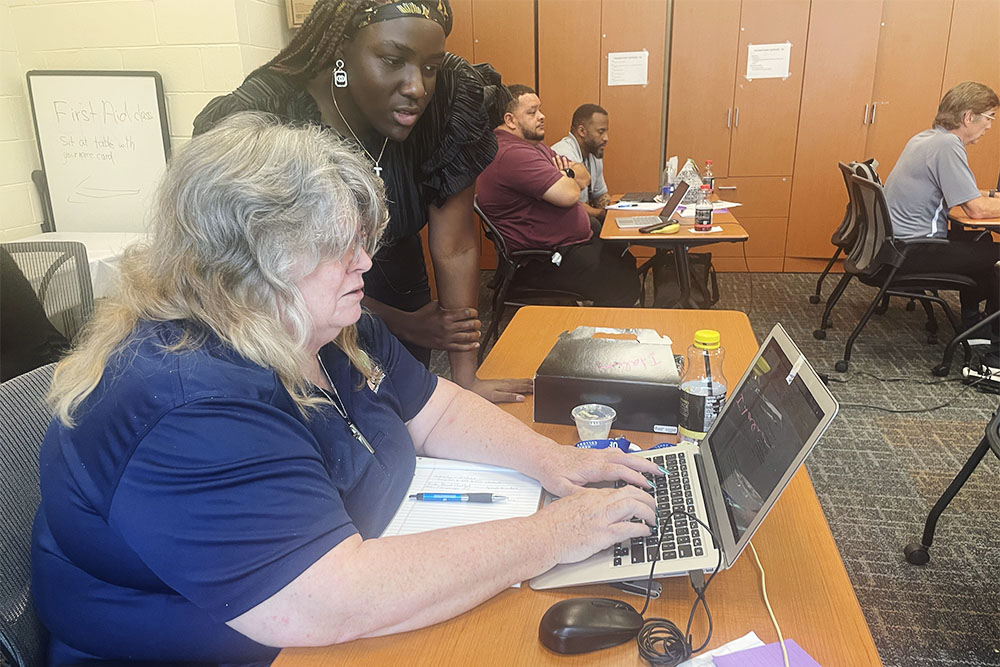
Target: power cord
x=767, y=603
x=746, y=263
x=660, y=641
x=947, y=403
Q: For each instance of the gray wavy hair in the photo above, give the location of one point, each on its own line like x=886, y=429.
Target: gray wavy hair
x=243, y=212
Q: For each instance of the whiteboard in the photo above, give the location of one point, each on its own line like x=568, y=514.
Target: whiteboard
x=104, y=143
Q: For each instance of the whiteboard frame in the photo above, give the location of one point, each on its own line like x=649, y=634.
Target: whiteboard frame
x=161, y=105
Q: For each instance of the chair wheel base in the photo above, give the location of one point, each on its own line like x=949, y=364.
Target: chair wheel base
x=941, y=371
x=814, y=299
x=911, y=305
x=881, y=310
x=840, y=366
x=916, y=554
x=819, y=334
x=932, y=339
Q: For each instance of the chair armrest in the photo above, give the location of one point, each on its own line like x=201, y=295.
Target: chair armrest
x=531, y=253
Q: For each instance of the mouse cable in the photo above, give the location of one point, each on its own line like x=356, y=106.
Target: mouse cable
x=767, y=603
x=660, y=641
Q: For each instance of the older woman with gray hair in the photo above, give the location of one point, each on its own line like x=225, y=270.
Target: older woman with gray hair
x=234, y=433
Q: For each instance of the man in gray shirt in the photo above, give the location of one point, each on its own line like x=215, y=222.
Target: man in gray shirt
x=588, y=135
x=933, y=175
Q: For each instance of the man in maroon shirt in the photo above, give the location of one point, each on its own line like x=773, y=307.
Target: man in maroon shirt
x=532, y=196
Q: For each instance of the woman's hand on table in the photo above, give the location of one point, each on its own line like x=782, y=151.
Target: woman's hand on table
x=502, y=391
x=585, y=522
x=566, y=470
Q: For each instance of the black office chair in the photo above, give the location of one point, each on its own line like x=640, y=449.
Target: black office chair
x=506, y=291
x=875, y=259
x=59, y=273
x=24, y=418
x=843, y=236
x=917, y=552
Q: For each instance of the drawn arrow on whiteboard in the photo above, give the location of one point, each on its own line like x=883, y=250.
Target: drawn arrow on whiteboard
x=83, y=192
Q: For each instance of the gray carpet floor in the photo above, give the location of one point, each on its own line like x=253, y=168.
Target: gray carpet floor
x=878, y=473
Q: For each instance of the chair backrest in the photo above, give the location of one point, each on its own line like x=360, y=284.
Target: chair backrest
x=843, y=236
x=505, y=262
x=873, y=248
x=59, y=273
x=24, y=417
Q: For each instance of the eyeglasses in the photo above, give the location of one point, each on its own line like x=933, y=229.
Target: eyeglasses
x=989, y=116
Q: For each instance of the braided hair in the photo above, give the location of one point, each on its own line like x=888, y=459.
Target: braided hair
x=315, y=45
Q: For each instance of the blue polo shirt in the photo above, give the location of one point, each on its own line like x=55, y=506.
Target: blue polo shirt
x=191, y=489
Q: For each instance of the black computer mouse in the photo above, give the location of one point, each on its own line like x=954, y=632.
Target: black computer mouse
x=587, y=624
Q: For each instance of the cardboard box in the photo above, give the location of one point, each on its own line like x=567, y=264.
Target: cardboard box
x=632, y=370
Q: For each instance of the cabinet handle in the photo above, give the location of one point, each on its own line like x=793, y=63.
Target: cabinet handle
x=866, y=113
x=873, y=113
x=725, y=187
x=729, y=117
x=736, y=123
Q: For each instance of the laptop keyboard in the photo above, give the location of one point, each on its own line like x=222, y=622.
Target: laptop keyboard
x=639, y=196
x=681, y=535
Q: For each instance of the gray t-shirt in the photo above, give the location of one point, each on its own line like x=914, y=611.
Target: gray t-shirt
x=931, y=176
x=569, y=147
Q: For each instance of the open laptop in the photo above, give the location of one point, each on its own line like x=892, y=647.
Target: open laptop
x=771, y=421
x=633, y=222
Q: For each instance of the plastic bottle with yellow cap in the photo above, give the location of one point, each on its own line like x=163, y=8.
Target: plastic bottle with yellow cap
x=703, y=386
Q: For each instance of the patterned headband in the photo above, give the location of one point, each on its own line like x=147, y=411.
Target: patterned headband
x=438, y=11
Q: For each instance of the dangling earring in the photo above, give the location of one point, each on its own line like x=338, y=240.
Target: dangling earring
x=340, y=75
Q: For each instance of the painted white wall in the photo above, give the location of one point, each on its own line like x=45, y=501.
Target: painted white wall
x=201, y=48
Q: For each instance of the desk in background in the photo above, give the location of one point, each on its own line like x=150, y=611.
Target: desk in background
x=104, y=250
x=680, y=243
x=957, y=214
x=807, y=584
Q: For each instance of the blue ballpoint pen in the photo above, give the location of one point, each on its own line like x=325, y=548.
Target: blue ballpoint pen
x=458, y=497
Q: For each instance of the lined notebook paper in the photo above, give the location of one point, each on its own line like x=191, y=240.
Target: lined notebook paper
x=447, y=476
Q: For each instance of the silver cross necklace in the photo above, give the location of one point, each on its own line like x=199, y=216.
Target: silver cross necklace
x=377, y=168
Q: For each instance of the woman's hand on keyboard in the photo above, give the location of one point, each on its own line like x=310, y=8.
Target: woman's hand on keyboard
x=565, y=470
x=593, y=519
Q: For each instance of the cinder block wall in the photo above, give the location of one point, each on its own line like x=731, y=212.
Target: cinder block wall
x=201, y=48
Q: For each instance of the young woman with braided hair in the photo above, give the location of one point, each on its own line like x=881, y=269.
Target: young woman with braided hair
x=376, y=73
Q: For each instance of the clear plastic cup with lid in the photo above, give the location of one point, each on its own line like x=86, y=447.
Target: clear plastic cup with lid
x=593, y=420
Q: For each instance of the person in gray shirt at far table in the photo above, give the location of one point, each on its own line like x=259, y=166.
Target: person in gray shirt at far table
x=588, y=135
x=931, y=176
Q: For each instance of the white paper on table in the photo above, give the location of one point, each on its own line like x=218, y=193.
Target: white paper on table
x=635, y=206
x=446, y=476
x=768, y=61
x=628, y=68
x=688, y=210
x=747, y=641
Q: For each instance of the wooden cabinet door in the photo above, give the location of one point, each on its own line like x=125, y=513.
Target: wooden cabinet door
x=703, y=52
x=839, y=73
x=460, y=41
x=504, y=36
x=973, y=56
x=766, y=111
x=632, y=159
x=569, y=63
x=912, y=47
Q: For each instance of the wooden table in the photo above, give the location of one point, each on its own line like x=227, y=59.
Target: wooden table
x=957, y=213
x=808, y=587
x=680, y=243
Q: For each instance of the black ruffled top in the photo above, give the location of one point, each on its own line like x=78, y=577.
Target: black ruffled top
x=450, y=145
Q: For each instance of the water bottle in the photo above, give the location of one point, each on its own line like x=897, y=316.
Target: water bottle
x=703, y=386
x=709, y=178
x=703, y=210
x=666, y=186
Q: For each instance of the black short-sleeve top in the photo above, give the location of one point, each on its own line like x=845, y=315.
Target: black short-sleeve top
x=450, y=145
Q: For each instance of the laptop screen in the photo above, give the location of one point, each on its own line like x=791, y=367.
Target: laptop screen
x=755, y=441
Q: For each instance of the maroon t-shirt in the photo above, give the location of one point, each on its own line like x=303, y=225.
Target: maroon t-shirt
x=510, y=193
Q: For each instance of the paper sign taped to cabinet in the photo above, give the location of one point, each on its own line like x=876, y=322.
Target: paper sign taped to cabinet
x=768, y=61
